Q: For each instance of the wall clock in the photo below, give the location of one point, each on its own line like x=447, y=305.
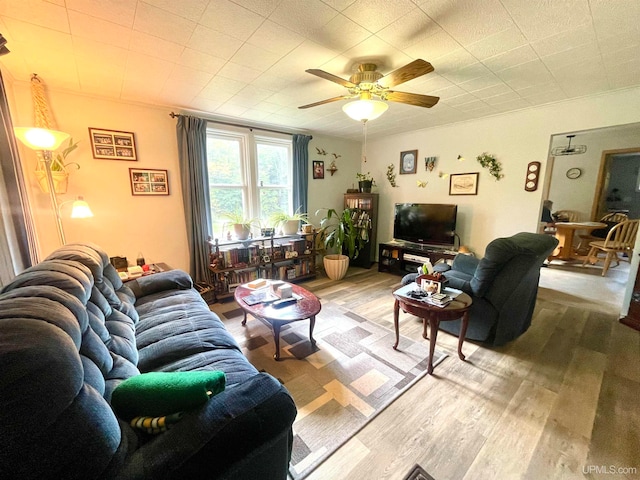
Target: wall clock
x=533, y=174
x=574, y=173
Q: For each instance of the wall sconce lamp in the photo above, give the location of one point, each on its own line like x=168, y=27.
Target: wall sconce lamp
x=47, y=141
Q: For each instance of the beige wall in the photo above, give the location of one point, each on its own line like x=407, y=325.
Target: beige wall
x=124, y=224
x=503, y=207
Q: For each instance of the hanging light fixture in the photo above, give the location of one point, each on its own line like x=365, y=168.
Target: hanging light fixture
x=569, y=150
x=365, y=109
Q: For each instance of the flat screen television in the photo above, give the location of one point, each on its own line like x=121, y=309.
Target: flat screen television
x=425, y=223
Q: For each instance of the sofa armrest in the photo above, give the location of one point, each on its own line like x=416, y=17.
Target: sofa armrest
x=159, y=282
x=465, y=264
x=223, y=438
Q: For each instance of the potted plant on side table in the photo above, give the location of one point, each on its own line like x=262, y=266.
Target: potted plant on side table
x=342, y=232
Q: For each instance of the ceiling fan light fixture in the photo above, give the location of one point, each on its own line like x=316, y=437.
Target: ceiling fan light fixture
x=365, y=110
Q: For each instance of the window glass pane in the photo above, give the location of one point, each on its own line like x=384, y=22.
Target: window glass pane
x=223, y=156
x=273, y=165
x=273, y=200
x=223, y=201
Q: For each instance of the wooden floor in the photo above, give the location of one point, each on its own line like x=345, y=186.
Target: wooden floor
x=562, y=401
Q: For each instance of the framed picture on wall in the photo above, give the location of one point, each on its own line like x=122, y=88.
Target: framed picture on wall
x=318, y=169
x=149, y=181
x=408, y=161
x=112, y=145
x=463, y=183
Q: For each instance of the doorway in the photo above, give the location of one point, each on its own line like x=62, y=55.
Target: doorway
x=618, y=185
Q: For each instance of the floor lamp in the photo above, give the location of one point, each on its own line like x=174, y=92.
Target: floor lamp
x=47, y=141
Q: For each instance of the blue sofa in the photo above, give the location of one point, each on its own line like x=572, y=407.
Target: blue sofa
x=503, y=286
x=71, y=332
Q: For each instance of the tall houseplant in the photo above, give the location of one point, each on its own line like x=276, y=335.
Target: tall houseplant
x=345, y=233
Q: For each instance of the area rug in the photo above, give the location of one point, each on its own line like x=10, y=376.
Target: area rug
x=418, y=473
x=339, y=386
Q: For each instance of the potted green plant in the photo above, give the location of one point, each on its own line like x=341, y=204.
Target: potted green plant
x=365, y=182
x=241, y=225
x=59, y=170
x=344, y=233
x=289, y=223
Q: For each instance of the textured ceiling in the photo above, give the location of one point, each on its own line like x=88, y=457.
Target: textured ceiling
x=247, y=59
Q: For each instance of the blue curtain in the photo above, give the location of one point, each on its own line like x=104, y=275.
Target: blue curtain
x=192, y=153
x=300, y=172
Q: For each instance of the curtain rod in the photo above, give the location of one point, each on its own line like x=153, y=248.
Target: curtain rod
x=174, y=115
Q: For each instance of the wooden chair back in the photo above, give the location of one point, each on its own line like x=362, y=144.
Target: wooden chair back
x=622, y=236
x=567, y=215
x=614, y=217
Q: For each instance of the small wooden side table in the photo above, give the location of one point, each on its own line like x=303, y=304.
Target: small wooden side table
x=432, y=315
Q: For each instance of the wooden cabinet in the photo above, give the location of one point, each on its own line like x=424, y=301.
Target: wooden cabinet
x=291, y=258
x=367, y=204
x=401, y=258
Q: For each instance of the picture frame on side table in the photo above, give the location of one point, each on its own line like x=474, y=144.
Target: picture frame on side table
x=149, y=181
x=463, y=183
x=408, y=161
x=318, y=169
x=112, y=145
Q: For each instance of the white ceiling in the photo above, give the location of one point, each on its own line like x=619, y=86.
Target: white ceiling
x=246, y=59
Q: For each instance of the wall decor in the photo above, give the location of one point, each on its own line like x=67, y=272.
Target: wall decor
x=421, y=183
x=429, y=163
x=533, y=175
x=112, y=144
x=408, y=161
x=463, y=183
x=489, y=161
x=318, y=169
x=321, y=151
x=391, y=175
x=574, y=173
x=149, y=181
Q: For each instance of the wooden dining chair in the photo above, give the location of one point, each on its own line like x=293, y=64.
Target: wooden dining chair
x=567, y=216
x=620, y=239
x=610, y=219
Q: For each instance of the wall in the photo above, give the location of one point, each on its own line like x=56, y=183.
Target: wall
x=503, y=207
x=122, y=224
x=328, y=192
x=578, y=194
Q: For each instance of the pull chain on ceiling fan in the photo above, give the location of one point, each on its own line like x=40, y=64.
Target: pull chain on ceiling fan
x=368, y=83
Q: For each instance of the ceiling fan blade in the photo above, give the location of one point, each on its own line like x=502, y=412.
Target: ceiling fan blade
x=416, y=99
x=331, y=77
x=328, y=100
x=410, y=71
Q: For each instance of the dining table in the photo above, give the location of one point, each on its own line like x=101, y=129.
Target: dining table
x=565, y=233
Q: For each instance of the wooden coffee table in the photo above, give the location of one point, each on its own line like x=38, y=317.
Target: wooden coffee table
x=432, y=315
x=307, y=307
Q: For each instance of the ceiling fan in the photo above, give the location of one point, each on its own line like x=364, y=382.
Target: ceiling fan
x=368, y=82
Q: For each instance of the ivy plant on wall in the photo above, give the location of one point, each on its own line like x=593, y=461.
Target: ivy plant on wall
x=489, y=161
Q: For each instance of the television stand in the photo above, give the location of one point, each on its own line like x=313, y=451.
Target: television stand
x=400, y=258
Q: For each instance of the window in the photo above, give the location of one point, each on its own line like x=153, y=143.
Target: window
x=249, y=174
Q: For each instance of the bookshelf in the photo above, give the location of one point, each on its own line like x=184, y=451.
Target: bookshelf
x=291, y=258
x=367, y=205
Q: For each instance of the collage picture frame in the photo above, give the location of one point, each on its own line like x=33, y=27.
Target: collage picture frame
x=112, y=145
x=145, y=181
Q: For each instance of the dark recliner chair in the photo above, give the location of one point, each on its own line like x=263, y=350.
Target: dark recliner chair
x=503, y=286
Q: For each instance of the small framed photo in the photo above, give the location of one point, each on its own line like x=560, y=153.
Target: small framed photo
x=408, y=161
x=463, y=184
x=149, y=182
x=318, y=169
x=112, y=145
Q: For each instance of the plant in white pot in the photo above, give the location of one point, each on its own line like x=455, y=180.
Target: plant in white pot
x=342, y=232
x=288, y=223
x=240, y=224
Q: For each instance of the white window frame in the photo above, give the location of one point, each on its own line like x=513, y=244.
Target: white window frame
x=249, y=164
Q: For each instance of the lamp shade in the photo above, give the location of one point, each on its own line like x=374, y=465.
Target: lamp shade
x=365, y=110
x=40, y=138
x=80, y=209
